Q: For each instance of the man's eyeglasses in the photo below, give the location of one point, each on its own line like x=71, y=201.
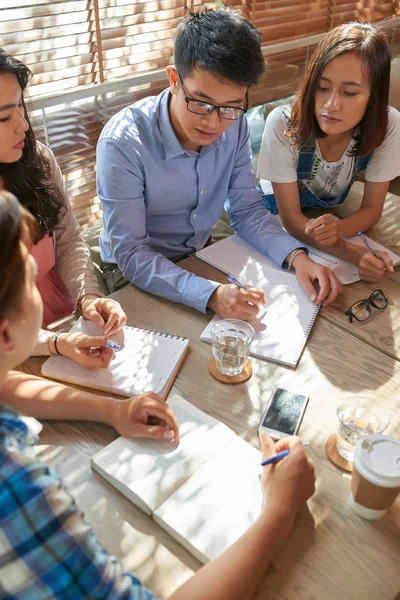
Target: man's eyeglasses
x=230, y=113
x=362, y=311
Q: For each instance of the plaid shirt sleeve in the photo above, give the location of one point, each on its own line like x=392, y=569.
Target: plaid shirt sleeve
x=47, y=550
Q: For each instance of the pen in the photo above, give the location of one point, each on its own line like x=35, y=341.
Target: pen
x=367, y=244
x=233, y=279
x=274, y=459
x=279, y=456
x=112, y=345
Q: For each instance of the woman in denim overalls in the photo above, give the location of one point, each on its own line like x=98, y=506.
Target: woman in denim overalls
x=340, y=125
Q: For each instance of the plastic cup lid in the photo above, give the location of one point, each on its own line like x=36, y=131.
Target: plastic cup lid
x=377, y=457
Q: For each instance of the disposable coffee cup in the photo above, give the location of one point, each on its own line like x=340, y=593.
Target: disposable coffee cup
x=375, y=482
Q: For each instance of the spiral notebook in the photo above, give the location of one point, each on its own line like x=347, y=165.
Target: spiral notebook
x=147, y=361
x=283, y=328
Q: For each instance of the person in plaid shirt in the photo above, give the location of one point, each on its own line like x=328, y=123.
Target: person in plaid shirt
x=47, y=550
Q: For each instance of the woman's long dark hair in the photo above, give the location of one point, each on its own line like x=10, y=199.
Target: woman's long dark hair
x=30, y=178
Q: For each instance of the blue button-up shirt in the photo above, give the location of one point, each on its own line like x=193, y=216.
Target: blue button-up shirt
x=160, y=201
x=47, y=550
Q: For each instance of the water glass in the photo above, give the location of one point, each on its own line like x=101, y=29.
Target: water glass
x=357, y=418
x=231, y=339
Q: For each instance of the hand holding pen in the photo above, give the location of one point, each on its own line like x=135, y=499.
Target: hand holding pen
x=236, y=301
x=235, y=281
x=289, y=482
x=372, y=264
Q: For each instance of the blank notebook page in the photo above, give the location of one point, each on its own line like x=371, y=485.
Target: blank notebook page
x=147, y=362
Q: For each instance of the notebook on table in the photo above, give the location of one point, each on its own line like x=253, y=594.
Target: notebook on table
x=147, y=361
x=205, y=492
x=283, y=328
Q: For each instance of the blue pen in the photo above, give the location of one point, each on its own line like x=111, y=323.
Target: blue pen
x=112, y=345
x=233, y=279
x=274, y=459
x=367, y=244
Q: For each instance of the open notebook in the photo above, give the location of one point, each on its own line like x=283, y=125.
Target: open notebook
x=205, y=492
x=147, y=361
x=282, y=329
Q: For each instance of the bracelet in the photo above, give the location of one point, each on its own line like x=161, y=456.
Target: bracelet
x=292, y=256
x=55, y=339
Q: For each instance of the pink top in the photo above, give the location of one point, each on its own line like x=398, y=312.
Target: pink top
x=57, y=301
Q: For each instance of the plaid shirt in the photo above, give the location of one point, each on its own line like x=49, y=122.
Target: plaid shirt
x=46, y=548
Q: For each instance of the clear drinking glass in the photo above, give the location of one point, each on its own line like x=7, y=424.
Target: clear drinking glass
x=231, y=339
x=357, y=418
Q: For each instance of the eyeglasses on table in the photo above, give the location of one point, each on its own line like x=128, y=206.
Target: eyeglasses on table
x=362, y=309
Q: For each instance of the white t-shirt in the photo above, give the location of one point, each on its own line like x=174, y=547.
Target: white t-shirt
x=279, y=156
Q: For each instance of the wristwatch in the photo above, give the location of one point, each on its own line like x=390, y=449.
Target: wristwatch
x=291, y=257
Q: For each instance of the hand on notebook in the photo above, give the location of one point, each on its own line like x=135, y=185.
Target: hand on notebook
x=231, y=302
x=145, y=416
x=86, y=350
x=309, y=273
x=106, y=313
x=324, y=229
x=371, y=268
x=289, y=483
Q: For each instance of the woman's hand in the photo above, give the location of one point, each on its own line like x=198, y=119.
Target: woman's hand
x=324, y=229
x=86, y=350
x=289, y=483
x=145, y=416
x=372, y=268
x=106, y=313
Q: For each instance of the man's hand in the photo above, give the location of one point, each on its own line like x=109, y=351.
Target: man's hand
x=289, y=483
x=145, y=416
x=372, y=269
x=324, y=229
x=86, y=350
x=231, y=302
x=308, y=272
x=106, y=313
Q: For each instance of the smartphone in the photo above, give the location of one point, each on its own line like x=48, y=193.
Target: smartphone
x=284, y=413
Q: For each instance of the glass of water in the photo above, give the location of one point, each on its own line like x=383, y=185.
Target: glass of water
x=357, y=418
x=231, y=339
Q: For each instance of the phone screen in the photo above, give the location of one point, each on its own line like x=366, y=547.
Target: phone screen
x=284, y=411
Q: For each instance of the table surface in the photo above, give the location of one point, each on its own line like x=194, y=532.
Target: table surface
x=332, y=553
x=381, y=331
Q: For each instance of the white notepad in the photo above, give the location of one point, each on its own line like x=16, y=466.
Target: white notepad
x=205, y=492
x=282, y=329
x=148, y=361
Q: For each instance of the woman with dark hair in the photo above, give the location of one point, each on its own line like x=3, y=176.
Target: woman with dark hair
x=339, y=125
x=47, y=549
x=66, y=278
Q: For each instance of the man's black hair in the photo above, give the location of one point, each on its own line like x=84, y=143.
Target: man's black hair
x=221, y=42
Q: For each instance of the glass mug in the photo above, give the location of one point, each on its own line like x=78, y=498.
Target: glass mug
x=231, y=339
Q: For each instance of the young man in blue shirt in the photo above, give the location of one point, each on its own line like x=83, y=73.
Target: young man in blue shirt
x=167, y=165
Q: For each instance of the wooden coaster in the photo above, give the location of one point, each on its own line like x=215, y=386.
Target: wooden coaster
x=243, y=376
x=334, y=456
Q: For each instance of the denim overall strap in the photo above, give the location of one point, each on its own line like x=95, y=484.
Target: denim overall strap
x=305, y=163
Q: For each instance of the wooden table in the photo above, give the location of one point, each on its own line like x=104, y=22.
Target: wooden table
x=382, y=330
x=332, y=554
